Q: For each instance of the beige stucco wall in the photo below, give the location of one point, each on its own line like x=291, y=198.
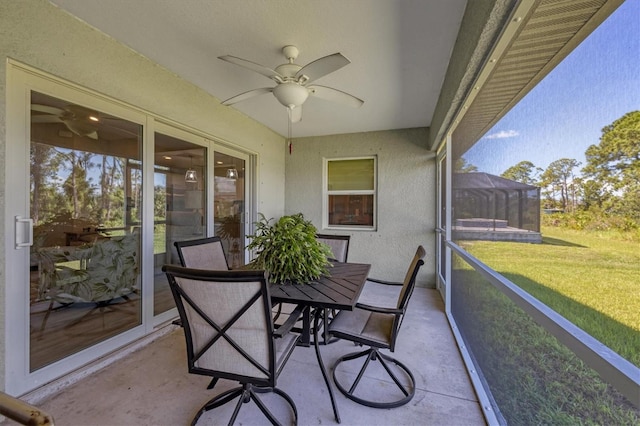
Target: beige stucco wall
x=38, y=34
x=406, y=196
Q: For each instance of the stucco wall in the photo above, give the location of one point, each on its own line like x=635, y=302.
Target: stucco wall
x=406, y=196
x=39, y=34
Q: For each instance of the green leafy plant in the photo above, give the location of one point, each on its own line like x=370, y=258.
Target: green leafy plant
x=288, y=249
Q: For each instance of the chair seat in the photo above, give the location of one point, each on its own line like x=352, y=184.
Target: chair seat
x=375, y=328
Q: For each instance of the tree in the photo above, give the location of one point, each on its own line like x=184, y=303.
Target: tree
x=559, y=177
x=461, y=166
x=614, y=165
x=43, y=169
x=524, y=172
x=77, y=186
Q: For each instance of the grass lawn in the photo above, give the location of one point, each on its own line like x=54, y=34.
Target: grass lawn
x=592, y=279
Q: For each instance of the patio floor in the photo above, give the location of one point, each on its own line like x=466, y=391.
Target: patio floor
x=151, y=386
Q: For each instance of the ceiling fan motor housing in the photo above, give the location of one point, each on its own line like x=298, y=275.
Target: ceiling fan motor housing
x=290, y=94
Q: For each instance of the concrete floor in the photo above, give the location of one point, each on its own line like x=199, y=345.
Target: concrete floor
x=151, y=386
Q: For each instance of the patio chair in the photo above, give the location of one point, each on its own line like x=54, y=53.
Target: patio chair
x=378, y=328
x=203, y=253
x=230, y=334
x=339, y=245
x=107, y=277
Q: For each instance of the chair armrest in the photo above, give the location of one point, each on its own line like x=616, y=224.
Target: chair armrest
x=374, y=280
x=290, y=322
x=378, y=309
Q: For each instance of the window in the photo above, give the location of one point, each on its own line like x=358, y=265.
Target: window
x=350, y=193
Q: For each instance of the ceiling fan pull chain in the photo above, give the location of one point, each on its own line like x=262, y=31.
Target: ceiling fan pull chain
x=289, y=110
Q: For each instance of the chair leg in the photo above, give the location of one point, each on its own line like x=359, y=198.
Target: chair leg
x=244, y=398
x=287, y=398
x=246, y=393
x=373, y=354
x=217, y=401
x=325, y=325
x=268, y=414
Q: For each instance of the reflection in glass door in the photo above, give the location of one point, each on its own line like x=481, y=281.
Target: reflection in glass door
x=85, y=203
x=230, y=210
x=180, y=214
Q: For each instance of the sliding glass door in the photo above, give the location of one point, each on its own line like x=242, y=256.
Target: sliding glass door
x=85, y=204
x=97, y=194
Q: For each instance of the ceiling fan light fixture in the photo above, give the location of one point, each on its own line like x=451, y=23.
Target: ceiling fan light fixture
x=291, y=94
x=191, y=176
x=232, y=173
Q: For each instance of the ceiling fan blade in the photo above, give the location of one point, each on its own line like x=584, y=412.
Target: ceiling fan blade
x=335, y=95
x=45, y=118
x=93, y=135
x=323, y=66
x=295, y=114
x=247, y=95
x=47, y=109
x=260, y=69
x=81, y=128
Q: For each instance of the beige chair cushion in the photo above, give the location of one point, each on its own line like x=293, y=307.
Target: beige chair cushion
x=338, y=248
x=205, y=256
x=370, y=325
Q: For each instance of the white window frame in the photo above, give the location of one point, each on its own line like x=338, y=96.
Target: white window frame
x=326, y=193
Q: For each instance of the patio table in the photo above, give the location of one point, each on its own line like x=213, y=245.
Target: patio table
x=339, y=289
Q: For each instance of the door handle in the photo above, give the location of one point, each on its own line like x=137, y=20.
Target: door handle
x=24, y=232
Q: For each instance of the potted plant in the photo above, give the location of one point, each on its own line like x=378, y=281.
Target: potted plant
x=288, y=250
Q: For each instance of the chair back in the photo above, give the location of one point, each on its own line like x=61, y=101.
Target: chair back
x=406, y=291
x=339, y=245
x=227, y=323
x=202, y=253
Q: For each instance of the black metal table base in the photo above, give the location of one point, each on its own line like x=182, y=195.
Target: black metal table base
x=316, y=344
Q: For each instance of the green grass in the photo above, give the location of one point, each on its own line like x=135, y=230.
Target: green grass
x=534, y=379
x=159, y=239
x=592, y=279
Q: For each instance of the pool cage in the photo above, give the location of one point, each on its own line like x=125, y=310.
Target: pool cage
x=491, y=207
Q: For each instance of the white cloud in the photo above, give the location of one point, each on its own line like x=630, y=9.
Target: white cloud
x=503, y=134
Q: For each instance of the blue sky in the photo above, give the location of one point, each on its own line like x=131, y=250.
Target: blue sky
x=595, y=85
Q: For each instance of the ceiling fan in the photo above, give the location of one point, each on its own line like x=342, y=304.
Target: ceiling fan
x=77, y=119
x=294, y=81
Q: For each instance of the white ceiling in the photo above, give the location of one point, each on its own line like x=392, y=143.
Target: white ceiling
x=399, y=52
